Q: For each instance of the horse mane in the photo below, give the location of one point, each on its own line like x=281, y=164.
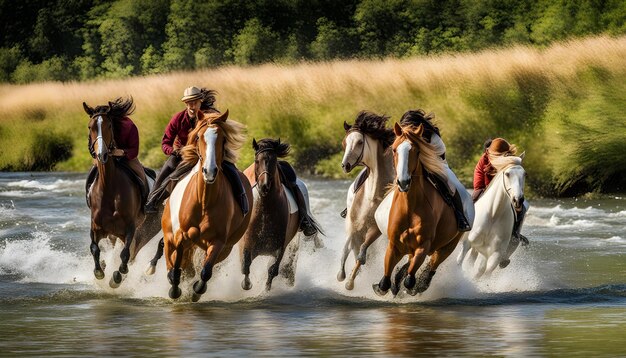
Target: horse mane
x=375, y=126
x=428, y=151
x=499, y=163
x=117, y=109
x=234, y=134
x=280, y=148
x=415, y=117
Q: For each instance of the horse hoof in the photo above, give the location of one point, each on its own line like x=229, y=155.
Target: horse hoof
x=199, y=287
x=504, y=263
x=246, y=284
x=195, y=297
x=116, y=280
x=409, y=282
x=150, y=270
x=378, y=291
x=341, y=276
x=175, y=292
x=395, y=290
x=123, y=269
x=99, y=274
x=349, y=285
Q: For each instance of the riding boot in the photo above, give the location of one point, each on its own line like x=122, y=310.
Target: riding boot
x=91, y=177
x=160, y=189
x=232, y=174
x=306, y=225
x=461, y=220
x=517, y=226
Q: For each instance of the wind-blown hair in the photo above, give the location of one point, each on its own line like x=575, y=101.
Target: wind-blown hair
x=116, y=109
x=234, y=137
x=281, y=149
x=500, y=163
x=428, y=152
x=375, y=126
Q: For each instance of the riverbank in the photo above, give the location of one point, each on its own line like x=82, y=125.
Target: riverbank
x=563, y=105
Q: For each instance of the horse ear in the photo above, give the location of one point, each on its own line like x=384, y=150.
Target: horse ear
x=255, y=146
x=521, y=156
x=346, y=126
x=88, y=109
x=397, y=129
x=223, y=117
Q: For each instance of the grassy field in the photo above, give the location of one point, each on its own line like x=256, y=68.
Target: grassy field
x=564, y=105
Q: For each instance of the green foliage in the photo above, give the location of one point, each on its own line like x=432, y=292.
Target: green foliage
x=9, y=60
x=255, y=44
x=54, y=69
x=333, y=41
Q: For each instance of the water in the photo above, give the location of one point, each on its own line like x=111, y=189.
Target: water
x=565, y=294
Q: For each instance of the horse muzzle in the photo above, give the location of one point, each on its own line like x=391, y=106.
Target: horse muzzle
x=518, y=203
x=347, y=167
x=209, y=175
x=404, y=185
x=263, y=189
x=103, y=157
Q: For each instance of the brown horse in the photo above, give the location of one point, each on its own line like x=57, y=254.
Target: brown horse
x=202, y=211
x=115, y=199
x=275, y=217
x=420, y=221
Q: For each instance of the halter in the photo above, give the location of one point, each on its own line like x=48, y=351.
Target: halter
x=360, y=157
x=263, y=150
x=110, y=147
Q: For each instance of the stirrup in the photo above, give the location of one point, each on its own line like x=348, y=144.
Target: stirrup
x=523, y=239
x=344, y=213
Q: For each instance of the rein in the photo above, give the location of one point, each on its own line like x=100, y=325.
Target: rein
x=110, y=147
x=360, y=157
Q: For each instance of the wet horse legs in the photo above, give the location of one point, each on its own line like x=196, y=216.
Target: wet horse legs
x=392, y=257
x=273, y=270
x=212, y=253
x=95, y=252
x=125, y=256
x=245, y=269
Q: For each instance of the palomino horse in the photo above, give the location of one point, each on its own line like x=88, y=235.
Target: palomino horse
x=275, y=218
x=366, y=143
x=115, y=199
x=202, y=211
x=420, y=222
x=491, y=236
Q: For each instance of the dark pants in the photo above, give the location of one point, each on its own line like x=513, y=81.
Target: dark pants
x=160, y=191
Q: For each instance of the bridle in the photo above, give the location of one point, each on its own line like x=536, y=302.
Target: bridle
x=266, y=172
x=360, y=157
x=110, y=147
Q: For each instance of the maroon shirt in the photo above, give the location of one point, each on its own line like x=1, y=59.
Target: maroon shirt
x=176, y=132
x=482, y=173
x=127, y=137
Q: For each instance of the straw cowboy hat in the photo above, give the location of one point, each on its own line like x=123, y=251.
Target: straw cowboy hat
x=191, y=94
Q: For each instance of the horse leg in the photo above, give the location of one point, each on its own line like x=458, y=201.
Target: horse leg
x=174, y=257
x=288, y=270
x=392, y=257
x=513, y=244
x=95, y=252
x=341, y=275
x=117, y=278
x=355, y=270
x=370, y=236
x=418, y=258
x=245, y=269
x=395, y=283
x=439, y=256
x=212, y=253
x=482, y=266
x=464, y=249
x=493, y=262
x=159, y=253
x=273, y=270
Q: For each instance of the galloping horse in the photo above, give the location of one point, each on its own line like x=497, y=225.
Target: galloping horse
x=491, y=236
x=202, y=211
x=275, y=217
x=115, y=199
x=366, y=143
x=420, y=222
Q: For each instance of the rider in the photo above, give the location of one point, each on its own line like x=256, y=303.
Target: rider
x=485, y=172
x=432, y=135
x=126, y=137
x=175, y=138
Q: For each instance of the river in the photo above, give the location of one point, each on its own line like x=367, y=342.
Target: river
x=565, y=294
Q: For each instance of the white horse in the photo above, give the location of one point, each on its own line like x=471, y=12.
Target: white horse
x=366, y=143
x=491, y=235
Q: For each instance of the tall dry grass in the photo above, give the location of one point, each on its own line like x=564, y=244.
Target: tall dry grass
x=520, y=93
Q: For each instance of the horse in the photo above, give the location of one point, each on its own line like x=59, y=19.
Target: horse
x=420, y=222
x=491, y=236
x=365, y=143
x=202, y=211
x=275, y=218
x=114, y=197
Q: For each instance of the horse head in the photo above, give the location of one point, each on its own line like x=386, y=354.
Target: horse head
x=360, y=141
x=513, y=179
x=267, y=151
x=101, y=139
x=405, y=155
x=210, y=140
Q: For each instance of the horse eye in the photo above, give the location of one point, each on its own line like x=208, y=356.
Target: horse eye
x=507, y=175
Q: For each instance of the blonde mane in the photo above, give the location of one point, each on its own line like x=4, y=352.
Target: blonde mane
x=234, y=135
x=428, y=151
x=499, y=163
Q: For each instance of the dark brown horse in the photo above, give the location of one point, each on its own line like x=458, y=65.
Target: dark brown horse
x=115, y=199
x=420, y=221
x=274, y=220
x=202, y=211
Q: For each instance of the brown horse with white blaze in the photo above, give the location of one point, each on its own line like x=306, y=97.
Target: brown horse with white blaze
x=202, y=211
x=420, y=221
x=275, y=217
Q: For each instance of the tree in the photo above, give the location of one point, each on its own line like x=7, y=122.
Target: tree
x=255, y=44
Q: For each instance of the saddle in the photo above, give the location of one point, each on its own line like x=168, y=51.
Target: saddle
x=144, y=187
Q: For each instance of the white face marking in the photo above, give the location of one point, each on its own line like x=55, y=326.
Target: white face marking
x=402, y=168
x=210, y=162
x=99, y=139
x=354, y=147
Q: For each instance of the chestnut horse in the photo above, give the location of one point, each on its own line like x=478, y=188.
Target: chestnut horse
x=275, y=218
x=367, y=143
x=202, y=211
x=420, y=222
x=114, y=198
